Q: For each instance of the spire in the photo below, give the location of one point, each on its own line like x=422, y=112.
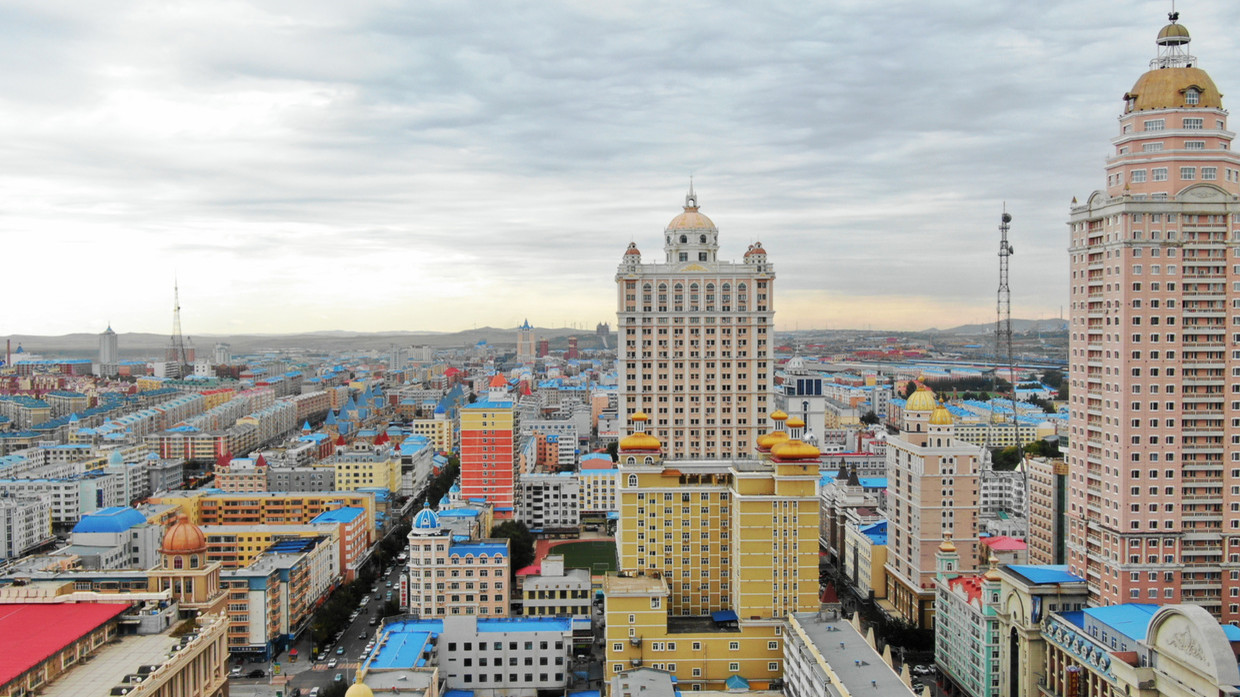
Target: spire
x=691, y=200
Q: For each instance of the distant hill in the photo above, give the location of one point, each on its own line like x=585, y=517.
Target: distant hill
x=139, y=345
x=1019, y=326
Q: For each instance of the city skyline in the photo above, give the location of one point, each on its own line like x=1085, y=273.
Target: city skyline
x=362, y=169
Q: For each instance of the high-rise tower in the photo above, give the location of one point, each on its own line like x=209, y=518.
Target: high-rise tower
x=1154, y=467
x=109, y=352
x=694, y=340
x=525, y=343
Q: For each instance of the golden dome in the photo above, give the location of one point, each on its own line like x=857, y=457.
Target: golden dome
x=941, y=416
x=640, y=441
x=359, y=689
x=770, y=440
x=1166, y=88
x=1173, y=34
x=691, y=219
x=795, y=450
x=779, y=415
x=796, y=422
x=992, y=574
x=921, y=400
x=183, y=538
x=947, y=545
x=639, y=416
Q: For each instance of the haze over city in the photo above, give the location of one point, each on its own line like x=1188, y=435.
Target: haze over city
x=314, y=166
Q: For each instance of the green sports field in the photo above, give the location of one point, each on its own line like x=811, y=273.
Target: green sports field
x=598, y=557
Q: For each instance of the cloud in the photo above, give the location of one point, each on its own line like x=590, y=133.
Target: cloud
x=435, y=165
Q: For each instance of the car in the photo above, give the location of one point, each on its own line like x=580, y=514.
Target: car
x=389, y=584
x=362, y=636
x=314, y=692
x=295, y=693
x=374, y=621
x=339, y=650
x=332, y=664
x=339, y=677
x=256, y=673
x=235, y=672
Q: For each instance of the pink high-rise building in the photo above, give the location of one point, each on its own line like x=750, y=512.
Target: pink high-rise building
x=1154, y=467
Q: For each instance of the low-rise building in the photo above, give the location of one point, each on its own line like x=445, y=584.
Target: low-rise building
x=555, y=591
x=825, y=656
x=966, y=631
x=865, y=554
x=25, y=523
x=549, y=501
x=449, y=577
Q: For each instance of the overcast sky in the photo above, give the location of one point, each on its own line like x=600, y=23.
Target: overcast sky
x=379, y=166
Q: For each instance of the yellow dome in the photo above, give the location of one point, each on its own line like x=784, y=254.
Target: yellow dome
x=921, y=400
x=947, y=545
x=795, y=450
x=639, y=416
x=796, y=422
x=691, y=219
x=640, y=441
x=183, y=538
x=1166, y=88
x=359, y=689
x=770, y=440
x=779, y=415
x=941, y=416
x=1173, y=34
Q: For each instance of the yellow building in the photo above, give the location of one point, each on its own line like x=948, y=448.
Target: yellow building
x=265, y=508
x=865, y=554
x=236, y=546
x=437, y=430
x=356, y=470
x=713, y=557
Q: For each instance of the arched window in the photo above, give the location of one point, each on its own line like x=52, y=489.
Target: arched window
x=684, y=239
x=178, y=563
x=646, y=289
x=694, y=296
x=193, y=562
x=678, y=296
x=702, y=239
x=742, y=297
x=710, y=296
x=632, y=480
x=632, y=460
x=649, y=460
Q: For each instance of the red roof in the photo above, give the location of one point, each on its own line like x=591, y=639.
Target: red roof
x=1003, y=543
x=971, y=585
x=30, y=633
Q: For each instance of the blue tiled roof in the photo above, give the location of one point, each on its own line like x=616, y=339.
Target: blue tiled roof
x=340, y=515
x=531, y=624
x=1130, y=619
x=112, y=519
x=1046, y=573
x=477, y=549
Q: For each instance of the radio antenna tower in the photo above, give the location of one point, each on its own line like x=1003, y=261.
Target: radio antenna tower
x=1003, y=322
x=181, y=356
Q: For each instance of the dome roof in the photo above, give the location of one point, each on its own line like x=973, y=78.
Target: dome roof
x=640, y=441
x=941, y=416
x=639, y=416
x=755, y=248
x=921, y=400
x=1166, y=88
x=499, y=381
x=113, y=519
x=795, y=422
x=632, y=250
x=770, y=440
x=691, y=219
x=947, y=546
x=1173, y=34
x=779, y=415
x=426, y=520
x=359, y=689
x=795, y=450
x=183, y=537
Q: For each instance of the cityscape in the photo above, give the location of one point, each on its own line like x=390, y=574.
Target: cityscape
x=678, y=492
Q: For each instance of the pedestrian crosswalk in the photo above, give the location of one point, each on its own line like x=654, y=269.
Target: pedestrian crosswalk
x=339, y=666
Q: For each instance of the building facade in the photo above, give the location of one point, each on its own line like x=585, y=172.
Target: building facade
x=695, y=340
x=1153, y=472
x=489, y=462
x=448, y=577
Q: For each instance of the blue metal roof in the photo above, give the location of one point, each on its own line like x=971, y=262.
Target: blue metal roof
x=1130, y=619
x=1046, y=573
x=402, y=648
x=526, y=624
x=724, y=616
x=112, y=519
x=340, y=515
x=478, y=549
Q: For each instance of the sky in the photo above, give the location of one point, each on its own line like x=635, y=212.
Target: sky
x=435, y=166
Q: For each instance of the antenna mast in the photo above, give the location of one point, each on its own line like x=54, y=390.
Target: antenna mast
x=181, y=356
x=1003, y=320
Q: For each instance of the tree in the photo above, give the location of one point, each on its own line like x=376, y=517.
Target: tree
x=390, y=608
x=520, y=542
x=613, y=449
x=869, y=418
x=909, y=388
x=1005, y=458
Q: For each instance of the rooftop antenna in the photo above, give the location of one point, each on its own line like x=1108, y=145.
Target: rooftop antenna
x=180, y=355
x=1003, y=324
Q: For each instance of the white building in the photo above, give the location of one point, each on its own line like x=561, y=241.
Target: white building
x=549, y=501
x=507, y=658
x=556, y=591
x=25, y=523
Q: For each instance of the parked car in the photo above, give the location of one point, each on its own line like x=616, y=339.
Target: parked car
x=332, y=664
x=339, y=650
x=256, y=673
x=374, y=621
x=314, y=692
x=339, y=677
x=235, y=672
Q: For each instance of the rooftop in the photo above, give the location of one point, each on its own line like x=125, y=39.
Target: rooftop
x=59, y=625
x=340, y=515
x=853, y=661
x=1044, y=573
x=1130, y=619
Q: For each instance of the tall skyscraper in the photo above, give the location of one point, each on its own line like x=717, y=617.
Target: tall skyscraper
x=109, y=352
x=694, y=340
x=489, y=429
x=1154, y=465
x=525, y=343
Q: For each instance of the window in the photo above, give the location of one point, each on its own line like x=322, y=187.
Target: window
x=773, y=666
x=1194, y=124
x=1160, y=174
x=1155, y=125
x=1195, y=145
x=1209, y=173
x=1188, y=173
x=1152, y=147
x=1191, y=96
x=733, y=667
x=1138, y=176
x=734, y=646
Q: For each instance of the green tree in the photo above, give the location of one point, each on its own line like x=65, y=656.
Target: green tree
x=520, y=542
x=1005, y=458
x=909, y=388
x=869, y=418
x=390, y=608
x=613, y=449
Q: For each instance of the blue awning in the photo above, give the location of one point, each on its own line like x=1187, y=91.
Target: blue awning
x=724, y=616
x=736, y=682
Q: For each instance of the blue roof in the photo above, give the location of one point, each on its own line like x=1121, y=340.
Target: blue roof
x=340, y=515
x=1130, y=619
x=724, y=616
x=425, y=519
x=526, y=624
x=736, y=682
x=877, y=532
x=873, y=482
x=404, y=643
x=112, y=519
x=459, y=693
x=478, y=549
x=1046, y=573
x=489, y=404
x=1232, y=632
